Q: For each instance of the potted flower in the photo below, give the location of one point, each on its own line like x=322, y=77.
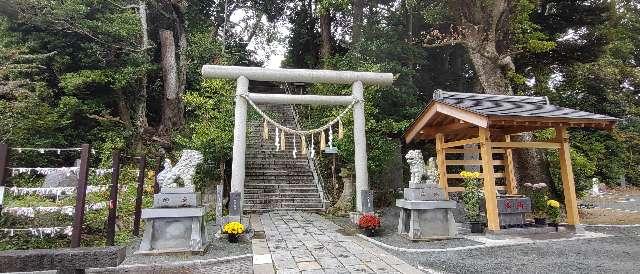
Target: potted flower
x=553, y=212
x=233, y=231
x=471, y=198
x=369, y=223
x=538, y=195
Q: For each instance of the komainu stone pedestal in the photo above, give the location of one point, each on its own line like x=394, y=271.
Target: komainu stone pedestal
x=425, y=214
x=175, y=223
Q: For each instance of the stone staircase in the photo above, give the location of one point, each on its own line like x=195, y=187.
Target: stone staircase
x=275, y=180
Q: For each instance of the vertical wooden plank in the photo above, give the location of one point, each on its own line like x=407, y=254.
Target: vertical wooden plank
x=81, y=194
x=509, y=173
x=442, y=167
x=491, y=203
x=142, y=165
x=566, y=172
x=113, y=197
x=156, y=186
x=4, y=162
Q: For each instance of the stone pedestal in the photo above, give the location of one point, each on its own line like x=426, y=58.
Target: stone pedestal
x=425, y=214
x=176, y=223
x=511, y=210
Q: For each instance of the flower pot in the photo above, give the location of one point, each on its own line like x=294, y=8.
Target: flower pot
x=540, y=221
x=477, y=227
x=370, y=232
x=233, y=238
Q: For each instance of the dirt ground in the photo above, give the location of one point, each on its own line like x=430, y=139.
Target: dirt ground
x=618, y=206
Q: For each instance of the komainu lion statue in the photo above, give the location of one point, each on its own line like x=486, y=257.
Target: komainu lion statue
x=184, y=169
x=416, y=166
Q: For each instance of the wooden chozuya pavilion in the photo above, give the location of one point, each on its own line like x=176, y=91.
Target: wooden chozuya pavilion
x=458, y=119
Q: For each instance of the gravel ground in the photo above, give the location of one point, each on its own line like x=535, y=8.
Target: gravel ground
x=218, y=248
x=617, y=254
x=388, y=233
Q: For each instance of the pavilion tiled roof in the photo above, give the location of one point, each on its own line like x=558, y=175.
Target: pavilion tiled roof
x=502, y=105
x=455, y=114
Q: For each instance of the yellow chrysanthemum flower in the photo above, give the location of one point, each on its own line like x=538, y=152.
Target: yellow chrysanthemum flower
x=233, y=228
x=553, y=203
x=470, y=175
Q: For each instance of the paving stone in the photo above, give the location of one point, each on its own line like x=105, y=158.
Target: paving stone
x=307, y=243
x=359, y=269
x=309, y=265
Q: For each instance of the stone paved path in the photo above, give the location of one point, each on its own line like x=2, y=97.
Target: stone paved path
x=307, y=243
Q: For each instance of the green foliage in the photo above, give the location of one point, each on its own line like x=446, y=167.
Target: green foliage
x=94, y=228
x=471, y=198
x=210, y=125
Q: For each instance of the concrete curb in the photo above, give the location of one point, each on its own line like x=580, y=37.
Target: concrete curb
x=140, y=267
x=262, y=262
x=486, y=243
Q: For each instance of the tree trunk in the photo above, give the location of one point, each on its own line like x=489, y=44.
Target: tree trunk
x=490, y=75
x=325, y=32
x=172, y=108
x=141, y=100
x=485, y=25
x=356, y=28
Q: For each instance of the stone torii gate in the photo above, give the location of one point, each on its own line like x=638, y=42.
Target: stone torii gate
x=357, y=80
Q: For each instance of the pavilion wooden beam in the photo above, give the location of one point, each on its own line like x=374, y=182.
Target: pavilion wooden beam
x=460, y=143
x=442, y=166
x=461, y=188
x=566, y=172
x=422, y=120
x=525, y=145
x=429, y=132
x=472, y=162
x=509, y=169
x=470, y=150
x=457, y=176
x=464, y=115
x=489, y=185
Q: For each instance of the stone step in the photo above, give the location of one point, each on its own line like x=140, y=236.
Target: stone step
x=273, y=184
x=281, y=195
x=263, y=210
x=284, y=179
x=292, y=206
x=298, y=189
x=272, y=200
x=278, y=172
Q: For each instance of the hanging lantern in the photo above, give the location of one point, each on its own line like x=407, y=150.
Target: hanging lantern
x=331, y=136
x=323, y=141
x=277, y=139
x=265, y=130
x=340, y=129
x=303, y=144
x=295, y=149
x=313, y=149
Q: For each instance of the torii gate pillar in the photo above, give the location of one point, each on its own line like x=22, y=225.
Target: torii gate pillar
x=360, y=145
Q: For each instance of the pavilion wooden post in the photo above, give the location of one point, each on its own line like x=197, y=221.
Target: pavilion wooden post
x=442, y=166
x=493, y=223
x=509, y=171
x=566, y=172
